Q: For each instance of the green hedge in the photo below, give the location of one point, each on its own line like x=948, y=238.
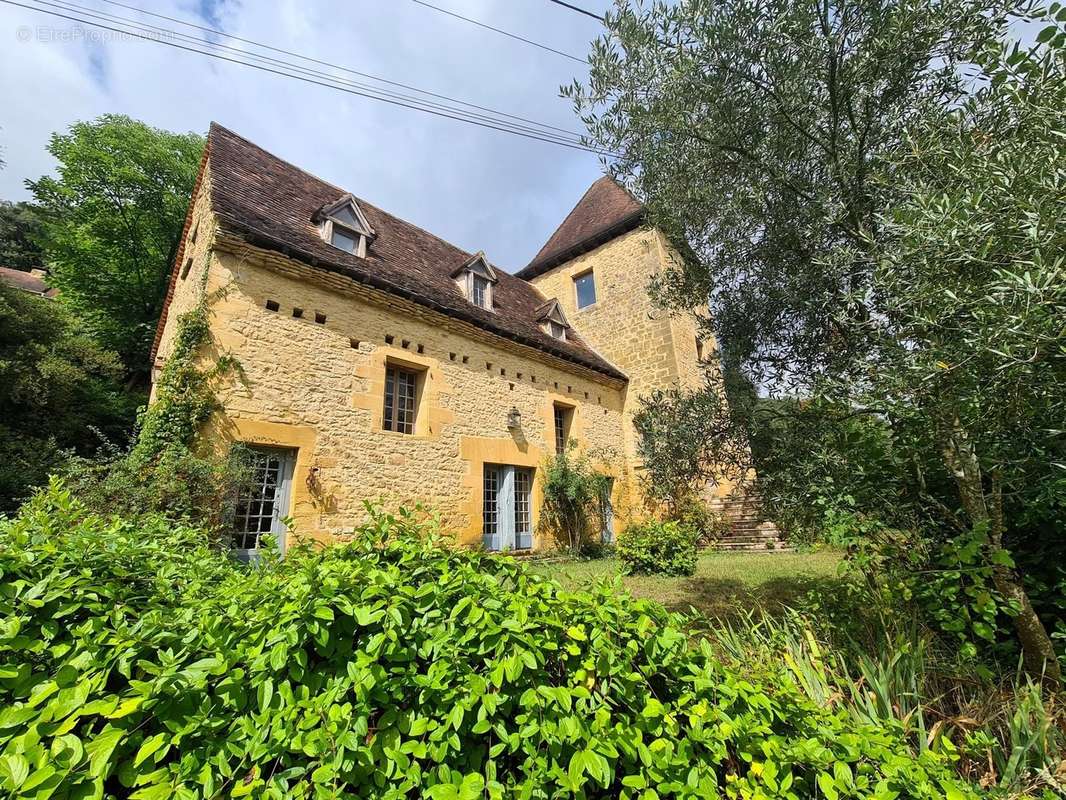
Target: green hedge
x=136, y=661
x=658, y=548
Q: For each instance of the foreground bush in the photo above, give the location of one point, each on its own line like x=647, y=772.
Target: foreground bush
x=658, y=548
x=137, y=662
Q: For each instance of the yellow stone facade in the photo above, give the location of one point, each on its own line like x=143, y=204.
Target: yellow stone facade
x=314, y=384
x=655, y=349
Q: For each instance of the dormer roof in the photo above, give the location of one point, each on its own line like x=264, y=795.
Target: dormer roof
x=346, y=211
x=479, y=265
x=551, y=311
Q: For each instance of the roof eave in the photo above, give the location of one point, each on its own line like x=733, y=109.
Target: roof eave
x=591, y=242
x=260, y=239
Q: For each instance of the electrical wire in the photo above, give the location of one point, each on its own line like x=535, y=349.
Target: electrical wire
x=535, y=128
x=289, y=70
x=596, y=17
x=498, y=30
x=312, y=60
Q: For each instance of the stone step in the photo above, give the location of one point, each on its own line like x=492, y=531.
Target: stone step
x=755, y=549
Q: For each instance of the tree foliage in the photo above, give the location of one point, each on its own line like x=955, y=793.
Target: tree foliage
x=60, y=393
x=872, y=192
x=20, y=233
x=114, y=216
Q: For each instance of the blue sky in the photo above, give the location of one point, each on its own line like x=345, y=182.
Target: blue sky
x=477, y=188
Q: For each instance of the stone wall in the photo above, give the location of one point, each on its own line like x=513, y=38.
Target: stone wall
x=656, y=350
x=190, y=280
x=317, y=386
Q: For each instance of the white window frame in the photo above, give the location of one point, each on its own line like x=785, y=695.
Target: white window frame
x=507, y=536
x=357, y=236
x=283, y=493
x=486, y=291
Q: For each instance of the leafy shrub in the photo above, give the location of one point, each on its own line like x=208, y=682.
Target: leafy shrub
x=658, y=548
x=572, y=510
x=694, y=514
x=137, y=662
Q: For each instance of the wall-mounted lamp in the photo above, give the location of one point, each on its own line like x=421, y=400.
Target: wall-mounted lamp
x=514, y=419
x=312, y=480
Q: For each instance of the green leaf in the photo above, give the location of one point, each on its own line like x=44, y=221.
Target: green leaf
x=148, y=747
x=826, y=784
x=17, y=768
x=100, y=750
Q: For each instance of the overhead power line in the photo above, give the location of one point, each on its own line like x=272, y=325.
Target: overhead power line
x=498, y=30
x=596, y=17
x=536, y=128
x=311, y=60
x=491, y=119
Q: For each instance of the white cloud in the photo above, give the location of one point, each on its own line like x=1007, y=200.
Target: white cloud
x=477, y=188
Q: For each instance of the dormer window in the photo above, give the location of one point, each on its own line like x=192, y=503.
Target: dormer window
x=551, y=319
x=342, y=240
x=343, y=225
x=476, y=278
x=481, y=288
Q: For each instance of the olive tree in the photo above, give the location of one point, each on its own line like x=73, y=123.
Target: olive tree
x=814, y=158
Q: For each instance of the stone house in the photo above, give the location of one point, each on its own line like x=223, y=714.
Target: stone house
x=381, y=362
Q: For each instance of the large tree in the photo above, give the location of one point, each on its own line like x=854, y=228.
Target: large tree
x=115, y=212
x=774, y=139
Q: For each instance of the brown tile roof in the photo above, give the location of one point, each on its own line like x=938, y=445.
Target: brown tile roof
x=606, y=210
x=26, y=281
x=271, y=203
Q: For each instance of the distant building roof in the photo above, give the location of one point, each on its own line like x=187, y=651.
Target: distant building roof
x=273, y=204
x=605, y=211
x=31, y=281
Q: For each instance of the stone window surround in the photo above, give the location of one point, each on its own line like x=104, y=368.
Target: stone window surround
x=577, y=276
x=430, y=416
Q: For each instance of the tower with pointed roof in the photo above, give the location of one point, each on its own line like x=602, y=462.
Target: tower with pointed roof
x=598, y=265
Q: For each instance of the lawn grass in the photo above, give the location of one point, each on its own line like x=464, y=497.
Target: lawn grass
x=724, y=584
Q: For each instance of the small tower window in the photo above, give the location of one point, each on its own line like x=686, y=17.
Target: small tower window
x=585, y=287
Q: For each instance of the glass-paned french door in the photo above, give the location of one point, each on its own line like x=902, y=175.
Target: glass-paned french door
x=263, y=501
x=507, y=515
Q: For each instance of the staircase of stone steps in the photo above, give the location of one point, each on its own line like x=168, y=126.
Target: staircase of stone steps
x=749, y=530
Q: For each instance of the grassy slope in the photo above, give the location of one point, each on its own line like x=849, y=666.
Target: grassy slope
x=724, y=583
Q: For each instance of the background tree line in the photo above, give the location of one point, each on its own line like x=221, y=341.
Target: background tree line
x=105, y=226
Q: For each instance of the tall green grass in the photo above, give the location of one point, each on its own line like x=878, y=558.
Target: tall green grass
x=1008, y=735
